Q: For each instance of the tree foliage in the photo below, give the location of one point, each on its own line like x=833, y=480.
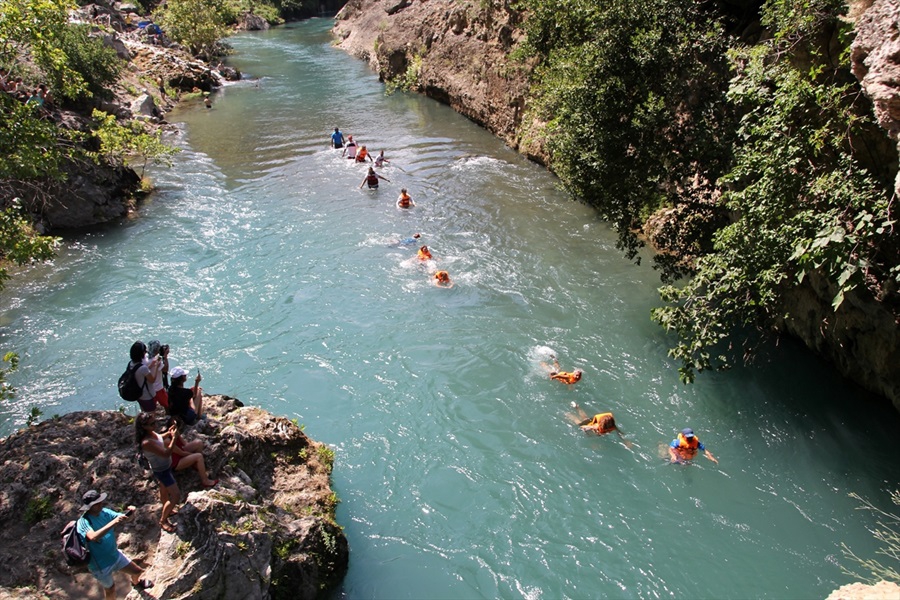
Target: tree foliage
x=131, y=144
x=802, y=201
x=198, y=24
x=632, y=94
x=652, y=105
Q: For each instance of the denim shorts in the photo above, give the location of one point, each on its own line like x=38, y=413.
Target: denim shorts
x=166, y=478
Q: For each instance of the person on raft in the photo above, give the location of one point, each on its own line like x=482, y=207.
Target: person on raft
x=371, y=179
x=562, y=376
x=686, y=446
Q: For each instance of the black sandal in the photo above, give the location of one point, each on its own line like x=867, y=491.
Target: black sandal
x=142, y=584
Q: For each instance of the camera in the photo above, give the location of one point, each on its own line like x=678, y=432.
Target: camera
x=164, y=350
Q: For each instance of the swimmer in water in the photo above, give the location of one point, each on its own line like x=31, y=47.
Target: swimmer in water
x=562, y=376
x=600, y=424
x=685, y=447
x=404, y=201
x=410, y=240
x=442, y=279
x=380, y=159
x=371, y=179
x=424, y=253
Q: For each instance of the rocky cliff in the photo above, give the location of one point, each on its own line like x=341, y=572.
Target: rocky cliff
x=267, y=530
x=455, y=52
x=458, y=53
x=100, y=192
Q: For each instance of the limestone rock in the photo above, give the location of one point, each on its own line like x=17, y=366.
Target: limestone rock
x=266, y=534
x=452, y=52
x=875, y=59
x=883, y=590
x=251, y=22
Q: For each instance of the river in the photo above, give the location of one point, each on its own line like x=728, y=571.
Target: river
x=460, y=476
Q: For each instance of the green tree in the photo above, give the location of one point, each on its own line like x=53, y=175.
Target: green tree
x=801, y=198
x=131, y=144
x=198, y=24
x=633, y=97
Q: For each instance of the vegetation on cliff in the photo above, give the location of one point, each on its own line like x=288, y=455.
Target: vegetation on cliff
x=759, y=147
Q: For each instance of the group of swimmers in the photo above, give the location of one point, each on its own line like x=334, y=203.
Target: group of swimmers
x=360, y=154
x=681, y=450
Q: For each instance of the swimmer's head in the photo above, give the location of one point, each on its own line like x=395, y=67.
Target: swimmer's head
x=363, y=146
x=417, y=235
x=349, y=137
x=402, y=190
x=442, y=276
x=371, y=170
x=335, y=129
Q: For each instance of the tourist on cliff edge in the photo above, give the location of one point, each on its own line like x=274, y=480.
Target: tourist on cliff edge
x=96, y=526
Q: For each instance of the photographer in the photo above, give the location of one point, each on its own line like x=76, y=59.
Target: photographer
x=160, y=385
x=96, y=526
x=185, y=403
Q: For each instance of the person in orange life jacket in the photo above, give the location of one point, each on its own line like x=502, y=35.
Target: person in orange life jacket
x=442, y=279
x=601, y=423
x=686, y=446
x=363, y=154
x=424, y=253
x=405, y=201
x=371, y=179
x=562, y=376
x=350, y=149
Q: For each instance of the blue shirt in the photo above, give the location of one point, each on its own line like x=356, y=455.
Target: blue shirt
x=104, y=551
x=337, y=139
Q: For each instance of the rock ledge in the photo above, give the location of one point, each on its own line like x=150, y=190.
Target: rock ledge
x=267, y=530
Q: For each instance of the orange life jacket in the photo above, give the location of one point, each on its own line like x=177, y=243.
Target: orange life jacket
x=442, y=276
x=361, y=155
x=424, y=254
x=565, y=377
x=404, y=200
x=687, y=447
x=603, y=423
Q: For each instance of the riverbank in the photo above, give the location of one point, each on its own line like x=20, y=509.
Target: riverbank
x=460, y=55
x=266, y=529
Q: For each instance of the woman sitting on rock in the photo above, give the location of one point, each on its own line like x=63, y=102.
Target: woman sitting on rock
x=187, y=455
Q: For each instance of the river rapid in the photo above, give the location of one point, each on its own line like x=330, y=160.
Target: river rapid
x=459, y=472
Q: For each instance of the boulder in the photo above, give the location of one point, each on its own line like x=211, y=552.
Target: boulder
x=266, y=530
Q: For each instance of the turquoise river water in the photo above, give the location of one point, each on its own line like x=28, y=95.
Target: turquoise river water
x=261, y=262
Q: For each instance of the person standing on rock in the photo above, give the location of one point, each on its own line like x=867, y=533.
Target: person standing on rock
x=96, y=527
x=157, y=449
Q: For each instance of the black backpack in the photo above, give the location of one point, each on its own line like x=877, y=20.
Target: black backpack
x=128, y=385
x=73, y=546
